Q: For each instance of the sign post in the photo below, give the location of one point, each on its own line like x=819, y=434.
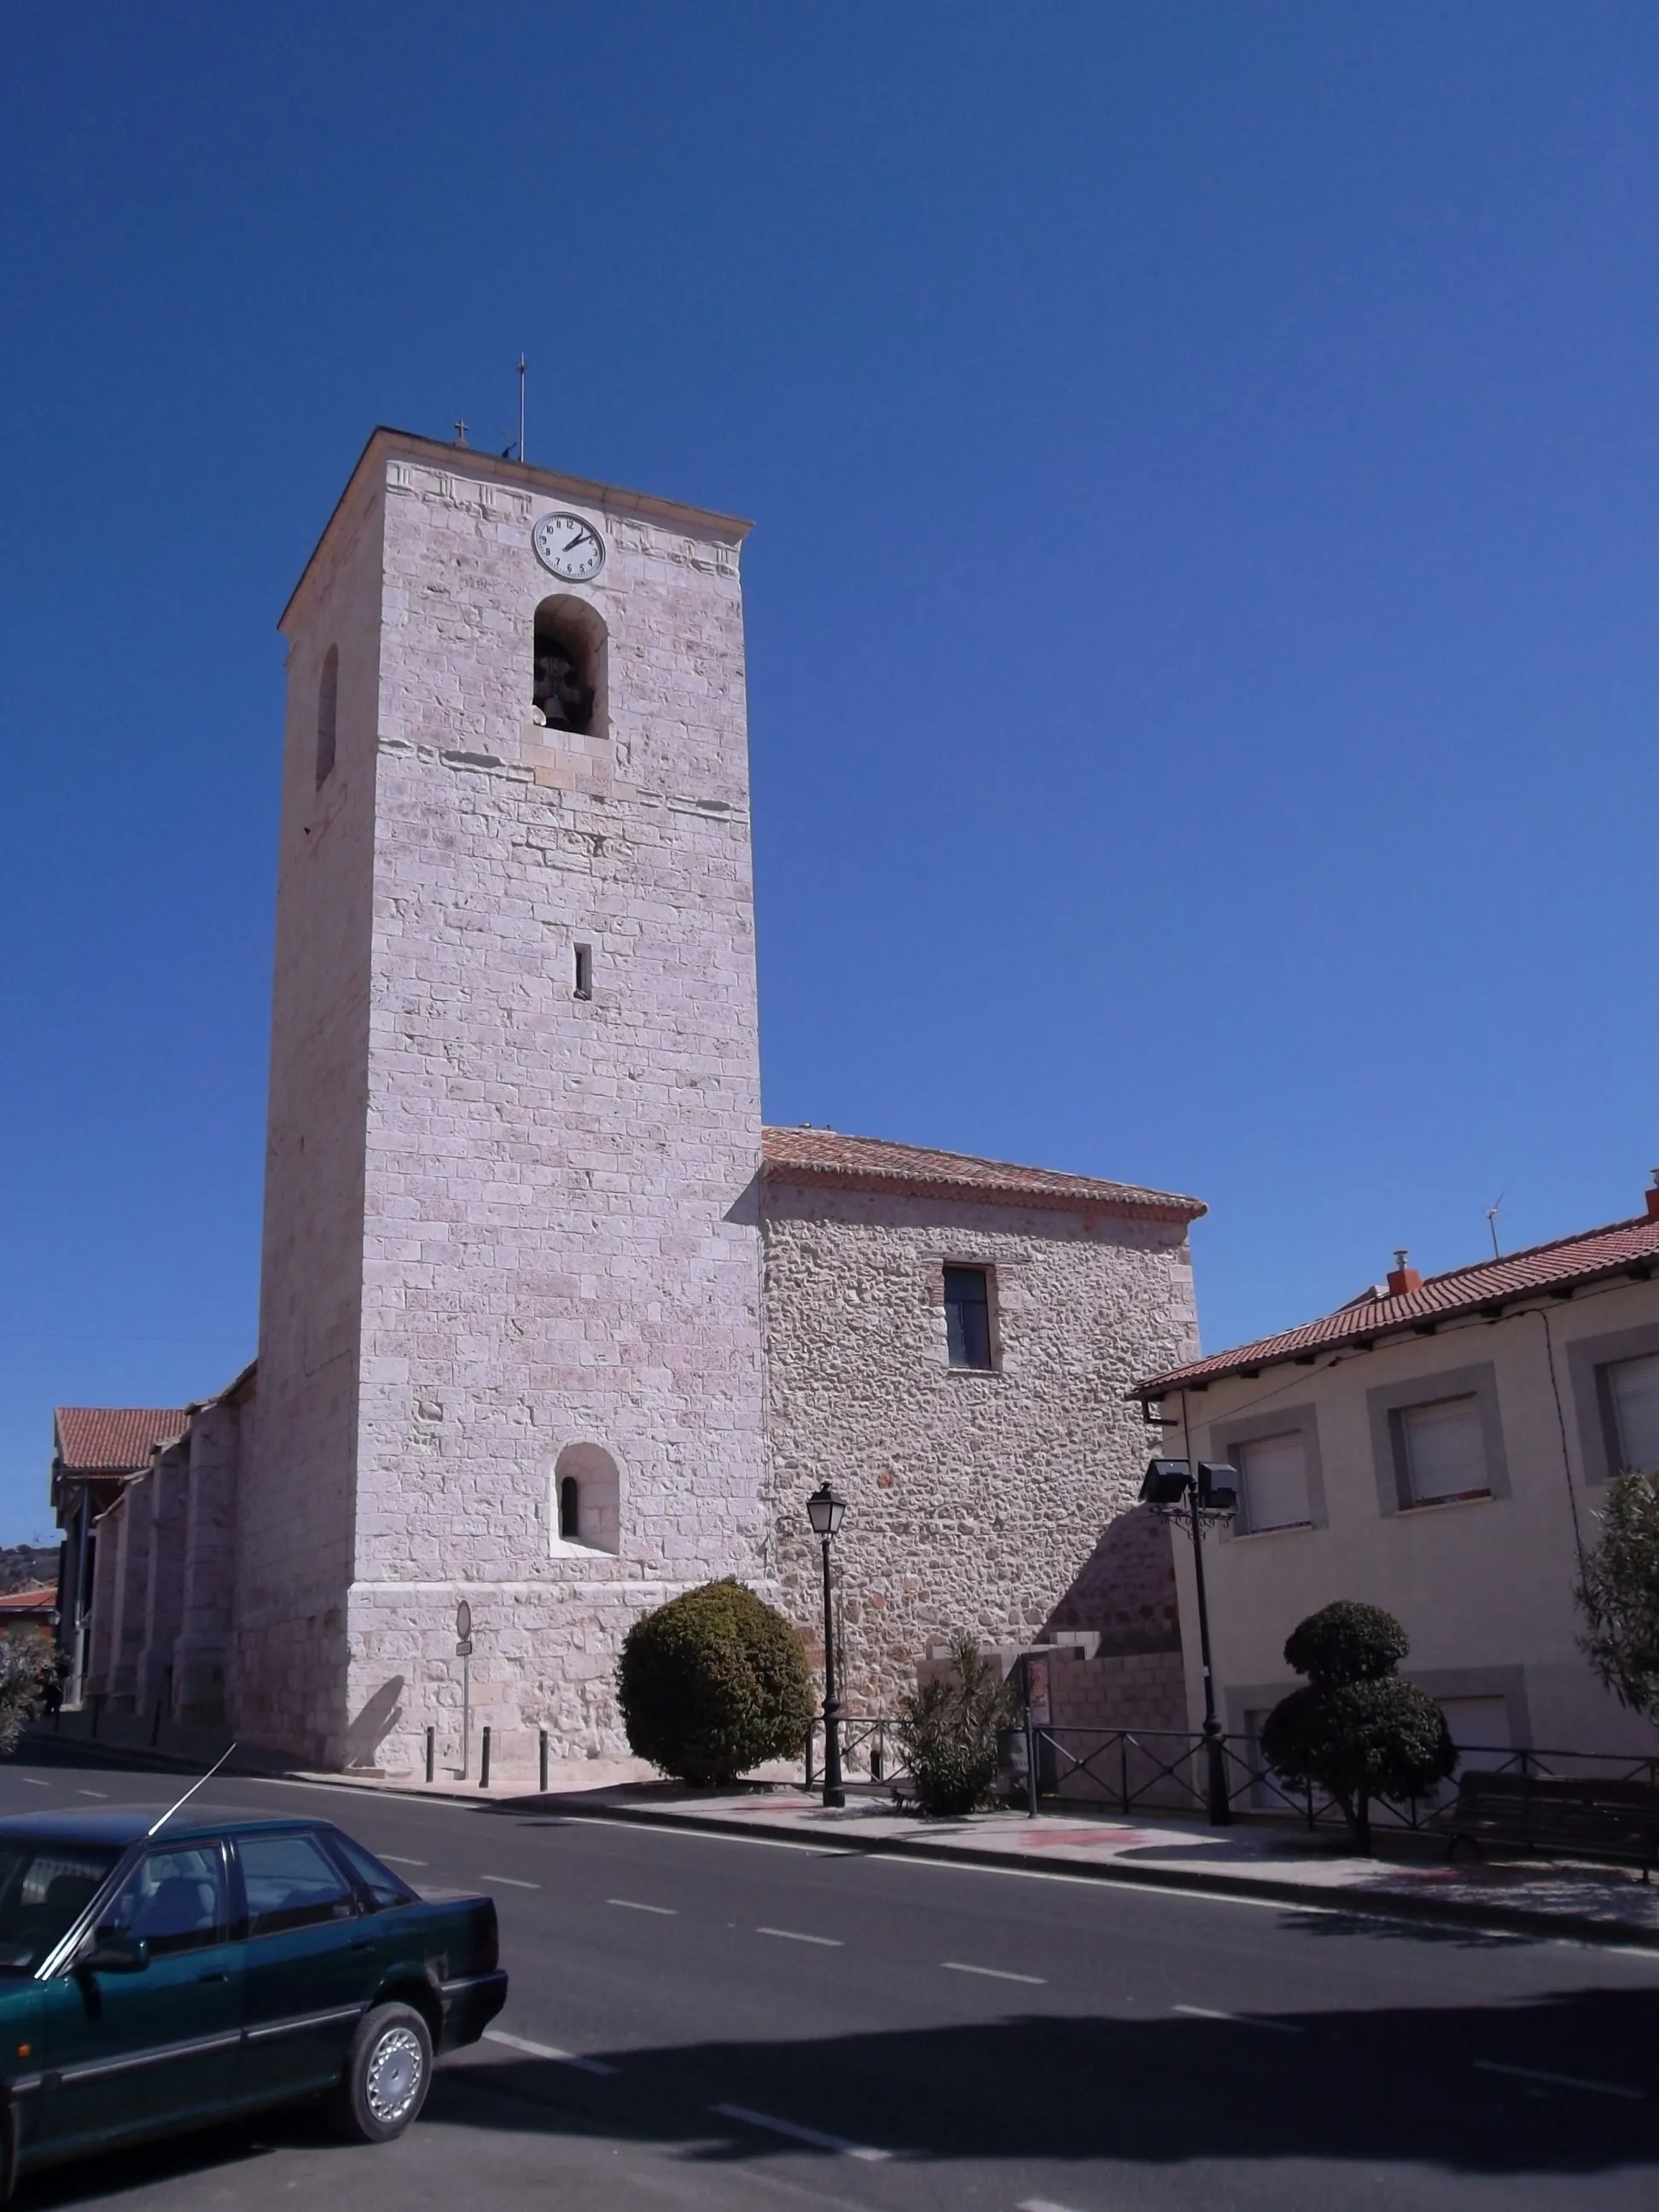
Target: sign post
x=463, y=1653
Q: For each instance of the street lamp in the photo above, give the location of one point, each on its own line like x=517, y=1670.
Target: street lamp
x=825, y=1512
x=1170, y=1489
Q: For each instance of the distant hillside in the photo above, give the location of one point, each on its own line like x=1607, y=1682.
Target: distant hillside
x=21, y=1565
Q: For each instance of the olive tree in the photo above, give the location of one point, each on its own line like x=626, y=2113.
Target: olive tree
x=1355, y=1728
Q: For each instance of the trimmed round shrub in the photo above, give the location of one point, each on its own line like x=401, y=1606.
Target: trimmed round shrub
x=1356, y=1729
x=713, y=1684
x=1348, y=1642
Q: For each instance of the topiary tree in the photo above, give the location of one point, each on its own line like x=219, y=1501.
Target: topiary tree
x=1619, y=1595
x=947, y=1731
x=1356, y=1729
x=713, y=1684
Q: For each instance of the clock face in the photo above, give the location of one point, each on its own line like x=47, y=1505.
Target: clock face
x=567, y=547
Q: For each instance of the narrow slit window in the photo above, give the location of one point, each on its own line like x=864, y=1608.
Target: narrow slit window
x=968, y=1316
x=328, y=709
x=570, y=1509
x=584, y=971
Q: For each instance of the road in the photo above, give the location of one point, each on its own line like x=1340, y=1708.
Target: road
x=700, y=2022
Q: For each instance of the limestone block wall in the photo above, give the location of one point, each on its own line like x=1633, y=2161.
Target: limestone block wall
x=976, y=1499
x=108, y=1587
x=168, y=1484
x=293, y=1543
x=553, y=1207
x=202, y=1645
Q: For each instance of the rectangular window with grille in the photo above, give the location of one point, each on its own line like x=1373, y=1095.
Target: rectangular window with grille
x=968, y=1316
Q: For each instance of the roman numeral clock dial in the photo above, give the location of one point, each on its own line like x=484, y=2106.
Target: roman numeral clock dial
x=568, y=548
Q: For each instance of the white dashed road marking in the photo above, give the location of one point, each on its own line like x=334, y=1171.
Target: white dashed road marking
x=397, y=1858
x=1561, y=2081
x=34, y=1782
x=794, y=1936
x=633, y=1905
x=92, y=1793
x=993, y=1973
x=510, y=1880
x=816, y=2136
x=547, y=2050
x=1238, y=2019
x=1041, y=2204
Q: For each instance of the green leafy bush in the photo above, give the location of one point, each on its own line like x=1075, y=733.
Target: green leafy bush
x=713, y=1684
x=1356, y=1729
x=29, y=1671
x=947, y=1731
x=1619, y=1595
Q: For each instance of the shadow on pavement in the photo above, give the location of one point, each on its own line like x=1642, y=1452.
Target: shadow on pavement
x=1391, y=2089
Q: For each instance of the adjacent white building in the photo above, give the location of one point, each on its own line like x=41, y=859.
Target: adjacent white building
x=1439, y=1447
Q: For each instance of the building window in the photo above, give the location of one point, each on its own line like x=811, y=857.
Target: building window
x=583, y=987
x=1632, y=1396
x=328, y=709
x=1274, y=1471
x=968, y=1316
x=1443, y=1449
x=587, y=1499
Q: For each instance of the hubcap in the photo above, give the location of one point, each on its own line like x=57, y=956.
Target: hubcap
x=394, y=2075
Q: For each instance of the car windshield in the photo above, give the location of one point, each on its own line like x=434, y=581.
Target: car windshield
x=43, y=1886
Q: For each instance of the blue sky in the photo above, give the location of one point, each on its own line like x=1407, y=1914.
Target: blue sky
x=1202, y=612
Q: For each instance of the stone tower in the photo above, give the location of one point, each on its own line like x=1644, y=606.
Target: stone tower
x=510, y=1338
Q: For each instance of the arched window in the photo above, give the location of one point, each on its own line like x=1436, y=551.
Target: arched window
x=587, y=1499
x=328, y=707
x=568, y=682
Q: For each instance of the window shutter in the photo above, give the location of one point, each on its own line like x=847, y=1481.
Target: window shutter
x=1275, y=1472
x=1633, y=1385
x=1445, y=1450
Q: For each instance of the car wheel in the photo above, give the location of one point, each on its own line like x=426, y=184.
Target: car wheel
x=386, y=2075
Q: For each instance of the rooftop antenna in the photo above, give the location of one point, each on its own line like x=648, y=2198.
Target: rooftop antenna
x=1491, y=1224
x=523, y=364
x=190, y=1793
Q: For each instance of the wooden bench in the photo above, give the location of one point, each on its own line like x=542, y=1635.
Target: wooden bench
x=1604, y=1819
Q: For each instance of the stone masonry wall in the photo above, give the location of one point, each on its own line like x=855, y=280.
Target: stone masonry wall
x=974, y=1500
x=560, y=1242
x=295, y=1499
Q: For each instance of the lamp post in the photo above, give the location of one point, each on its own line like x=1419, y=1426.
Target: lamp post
x=826, y=1511
x=1171, y=1488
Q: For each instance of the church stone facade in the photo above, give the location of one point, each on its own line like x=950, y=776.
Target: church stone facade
x=547, y=1323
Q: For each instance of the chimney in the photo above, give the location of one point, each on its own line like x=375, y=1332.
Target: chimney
x=1653, y=1195
x=1402, y=1279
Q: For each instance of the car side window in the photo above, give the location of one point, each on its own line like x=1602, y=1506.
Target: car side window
x=383, y=1886
x=173, y=1900
x=291, y=1882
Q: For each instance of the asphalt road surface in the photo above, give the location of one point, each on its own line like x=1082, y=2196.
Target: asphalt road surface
x=700, y=2022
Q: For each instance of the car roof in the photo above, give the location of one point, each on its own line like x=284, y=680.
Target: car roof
x=130, y=1824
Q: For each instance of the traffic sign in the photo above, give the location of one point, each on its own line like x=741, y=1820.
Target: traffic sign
x=464, y=1647
x=463, y=1620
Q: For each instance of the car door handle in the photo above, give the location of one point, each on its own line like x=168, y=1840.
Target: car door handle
x=216, y=1977
x=363, y=1944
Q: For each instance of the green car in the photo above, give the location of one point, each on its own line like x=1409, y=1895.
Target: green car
x=155, y=1982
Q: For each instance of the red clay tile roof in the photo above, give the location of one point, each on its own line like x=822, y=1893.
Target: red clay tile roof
x=35, y=1600
x=113, y=1439
x=871, y=1163
x=1624, y=1247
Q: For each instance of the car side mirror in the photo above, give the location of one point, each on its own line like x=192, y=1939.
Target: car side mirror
x=112, y=1952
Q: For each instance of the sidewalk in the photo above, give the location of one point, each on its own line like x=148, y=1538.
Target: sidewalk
x=1273, y=1861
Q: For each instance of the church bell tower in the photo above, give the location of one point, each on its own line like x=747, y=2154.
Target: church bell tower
x=510, y=1339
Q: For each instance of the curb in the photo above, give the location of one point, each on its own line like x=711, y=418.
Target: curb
x=1497, y=1917
x=1444, y=1911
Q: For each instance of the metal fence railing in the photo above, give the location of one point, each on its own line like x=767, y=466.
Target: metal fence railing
x=1164, y=1771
